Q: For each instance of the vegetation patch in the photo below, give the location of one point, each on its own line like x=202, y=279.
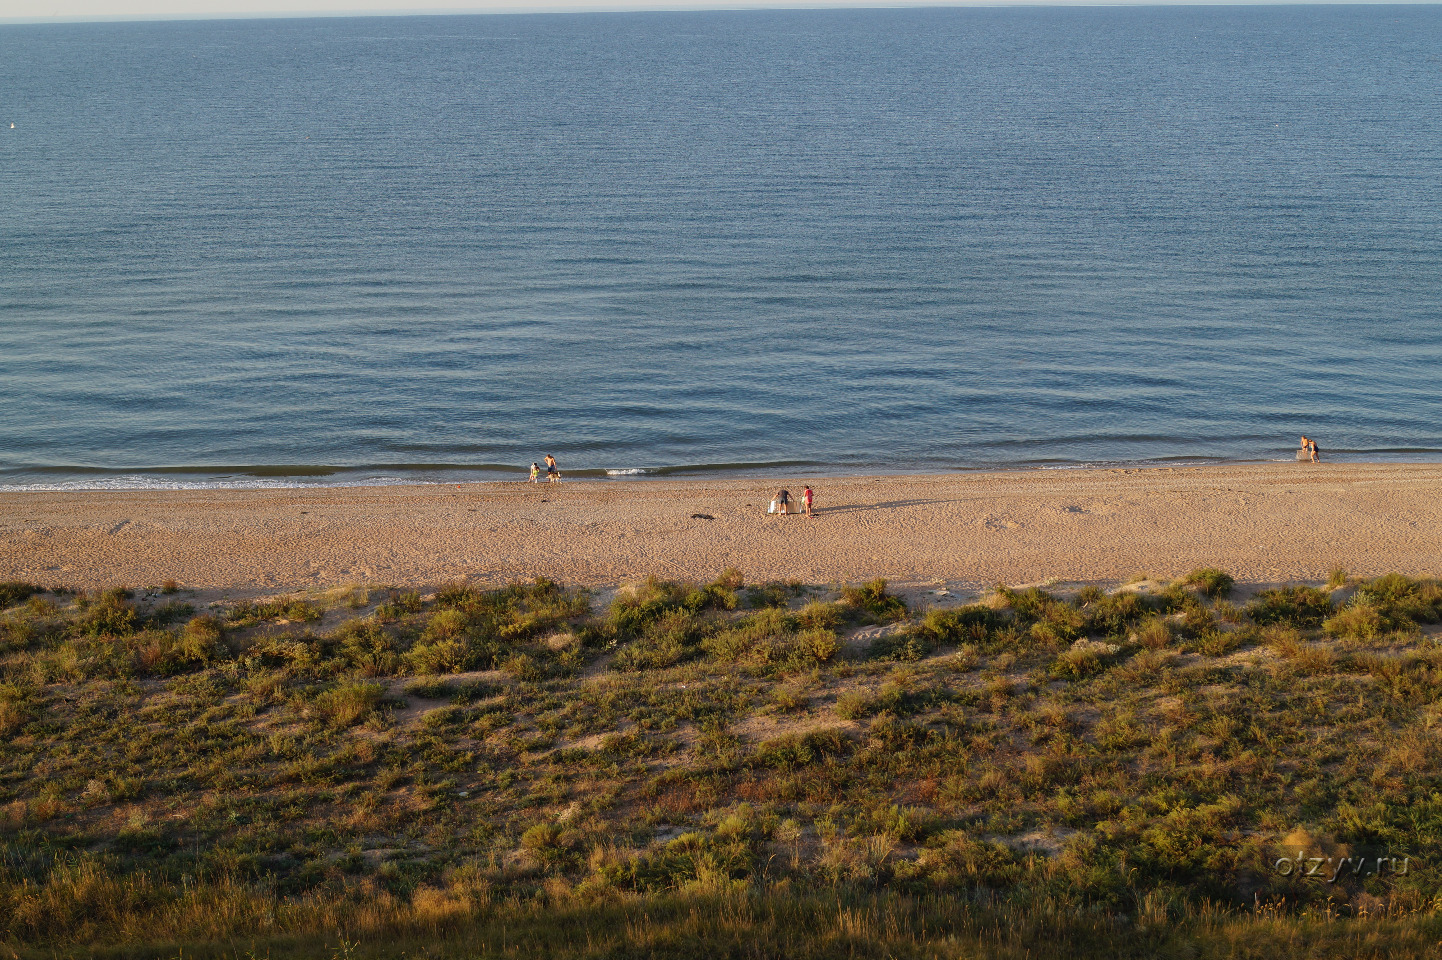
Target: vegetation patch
x=707, y=770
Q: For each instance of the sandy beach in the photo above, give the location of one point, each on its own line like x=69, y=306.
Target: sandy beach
x=1263, y=523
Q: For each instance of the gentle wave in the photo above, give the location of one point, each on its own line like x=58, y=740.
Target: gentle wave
x=286, y=477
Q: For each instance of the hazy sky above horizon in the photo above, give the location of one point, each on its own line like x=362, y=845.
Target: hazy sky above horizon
x=29, y=10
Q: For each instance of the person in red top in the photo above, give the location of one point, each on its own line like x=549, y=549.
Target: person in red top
x=806, y=497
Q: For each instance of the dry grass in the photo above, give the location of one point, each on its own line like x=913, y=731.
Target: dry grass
x=711, y=767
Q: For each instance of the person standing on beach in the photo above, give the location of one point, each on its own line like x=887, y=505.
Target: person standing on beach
x=1312, y=451
x=783, y=502
x=806, y=497
x=553, y=473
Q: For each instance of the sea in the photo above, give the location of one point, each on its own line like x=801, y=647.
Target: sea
x=287, y=252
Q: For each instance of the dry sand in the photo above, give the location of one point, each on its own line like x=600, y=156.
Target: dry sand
x=1263, y=523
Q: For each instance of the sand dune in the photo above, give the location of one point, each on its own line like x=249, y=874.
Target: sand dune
x=1263, y=523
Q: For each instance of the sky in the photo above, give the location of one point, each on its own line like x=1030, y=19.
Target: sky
x=31, y=10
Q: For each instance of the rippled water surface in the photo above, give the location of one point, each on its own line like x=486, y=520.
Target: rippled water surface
x=425, y=248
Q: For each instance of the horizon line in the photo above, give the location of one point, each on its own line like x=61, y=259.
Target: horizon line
x=522, y=8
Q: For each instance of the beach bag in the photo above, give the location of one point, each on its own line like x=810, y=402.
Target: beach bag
x=773, y=507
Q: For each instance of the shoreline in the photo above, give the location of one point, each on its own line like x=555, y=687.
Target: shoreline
x=1272, y=522
x=284, y=477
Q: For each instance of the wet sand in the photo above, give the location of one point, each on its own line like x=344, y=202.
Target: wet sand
x=1263, y=523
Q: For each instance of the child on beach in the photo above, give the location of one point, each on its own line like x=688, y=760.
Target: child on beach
x=535, y=472
x=553, y=473
x=806, y=497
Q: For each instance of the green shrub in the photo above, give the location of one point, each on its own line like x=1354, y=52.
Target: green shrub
x=1217, y=643
x=969, y=624
x=1084, y=659
x=853, y=705
x=792, y=751
x=1400, y=598
x=293, y=609
x=431, y=689
x=718, y=595
x=819, y=615
x=543, y=841
x=633, y=610
x=1114, y=615
x=399, y=604
x=457, y=596
x=772, y=594
x=753, y=638
x=349, y=703
x=1301, y=607
x=447, y=624
x=170, y=612
x=692, y=858
x=905, y=824
x=873, y=598
x=1211, y=581
x=1061, y=622
x=13, y=592
x=1155, y=634
x=201, y=642
x=109, y=616
x=668, y=640
x=730, y=579
x=857, y=705
x=440, y=656
x=305, y=652
x=818, y=643
x=903, y=646
x=366, y=646
x=14, y=714
x=1359, y=622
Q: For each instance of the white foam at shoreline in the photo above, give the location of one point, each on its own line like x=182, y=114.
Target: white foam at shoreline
x=142, y=484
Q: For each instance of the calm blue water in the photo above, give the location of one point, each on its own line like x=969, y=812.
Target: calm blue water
x=424, y=248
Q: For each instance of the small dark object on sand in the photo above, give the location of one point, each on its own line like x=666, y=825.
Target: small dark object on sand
x=702, y=516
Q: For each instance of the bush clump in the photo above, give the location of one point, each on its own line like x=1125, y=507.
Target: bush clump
x=1397, y=597
x=1211, y=581
x=1301, y=607
x=772, y=639
x=1115, y=615
x=969, y=624
x=670, y=639
x=109, y=615
x=13, y=592
x=399, y=604
x=1360, y=622
x=350, y=703
x=872, y=598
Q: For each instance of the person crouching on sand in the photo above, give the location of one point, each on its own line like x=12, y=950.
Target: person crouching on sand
x=806, y=497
